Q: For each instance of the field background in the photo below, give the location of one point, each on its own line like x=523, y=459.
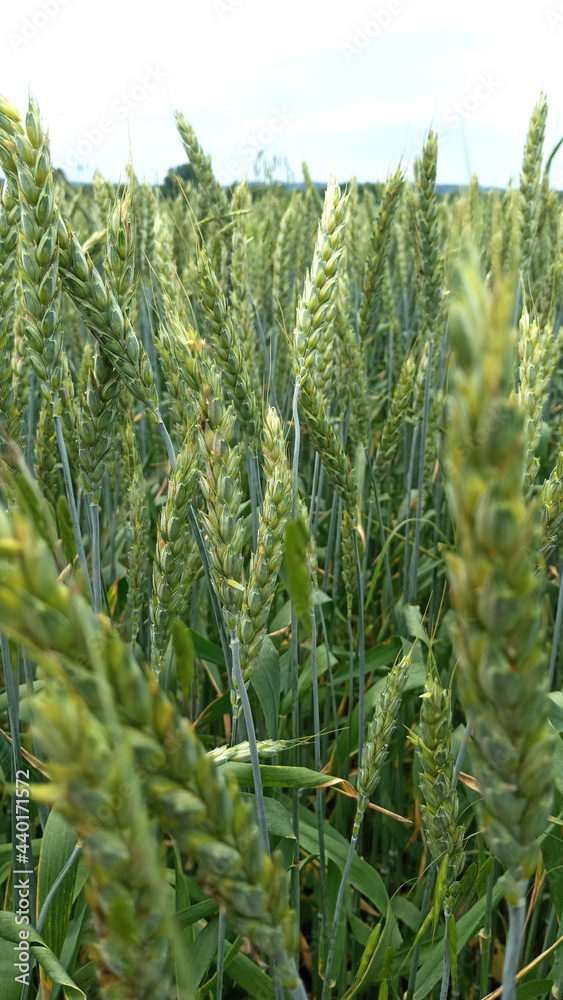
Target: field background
x=280, y=574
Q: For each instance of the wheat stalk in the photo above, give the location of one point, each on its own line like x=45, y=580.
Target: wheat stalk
x=137, y=529
x=374, y=754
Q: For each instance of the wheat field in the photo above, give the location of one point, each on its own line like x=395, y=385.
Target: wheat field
x=280, y=564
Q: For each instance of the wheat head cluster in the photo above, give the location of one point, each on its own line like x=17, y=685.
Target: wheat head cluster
x=281, y=528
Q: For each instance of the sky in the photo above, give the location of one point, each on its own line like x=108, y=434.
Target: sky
x=349, y=87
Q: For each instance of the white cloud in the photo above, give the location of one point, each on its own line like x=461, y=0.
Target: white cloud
x=229, y=64
x=357, y=116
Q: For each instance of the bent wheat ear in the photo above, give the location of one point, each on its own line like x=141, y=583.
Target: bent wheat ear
x=194, y=800
x=214, y=196
x=102, y=314
x=398, y=410
x=98, y=790
x=378, y=254
x=325, y=441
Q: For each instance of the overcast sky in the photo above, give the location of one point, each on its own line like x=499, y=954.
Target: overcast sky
x=349, y=86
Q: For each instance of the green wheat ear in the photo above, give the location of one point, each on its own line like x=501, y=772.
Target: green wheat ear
x=265, y=561
x=498, y=633
x=97, y=690
x=9, y=303
x=440, y=805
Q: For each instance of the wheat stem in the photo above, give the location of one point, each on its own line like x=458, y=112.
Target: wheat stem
x=221, y=934
x=413, y=578
x=369, y=772
x=251, y=734
x=517, y=926
x=323, y=904
x=361, y=648
x=486, y=952
x=327, y=991
x=294, y=647
x=446, y=969
x=70, y=491
x=556, y=629
x=384, y=546
x=95, y=553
